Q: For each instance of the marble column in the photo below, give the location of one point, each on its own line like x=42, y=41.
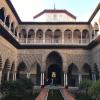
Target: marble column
x=28, y=75
x=72, y=37
x=66, y=80
x=41, y=79
x=80, y=77
x=44, y=37
x=0, y=76
x=13, y=76
x=81, y=38
x=8, y=74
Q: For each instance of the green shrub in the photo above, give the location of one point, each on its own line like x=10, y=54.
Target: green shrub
x=85, y=84
x=82, y=96
x=17, y=90
x=94, y=90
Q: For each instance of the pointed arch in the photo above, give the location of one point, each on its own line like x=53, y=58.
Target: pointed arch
x=54, y=63
x=73, y=74
x=7, y=21
x=12, y=27
x=2, y=14
x=16, y=30
x=21, y=70
x=35, y=72
x=86, y=72
x=54, y=57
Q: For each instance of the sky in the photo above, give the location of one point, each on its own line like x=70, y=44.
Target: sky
x=82, y=9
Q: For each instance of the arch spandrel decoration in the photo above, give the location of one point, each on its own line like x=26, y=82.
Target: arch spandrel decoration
x=5, y=70
x=0, y=63
x=35, y=73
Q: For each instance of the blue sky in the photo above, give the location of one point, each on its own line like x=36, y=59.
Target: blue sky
x=82, y=9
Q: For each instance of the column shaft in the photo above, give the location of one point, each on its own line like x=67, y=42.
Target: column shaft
x=15, y=76
x=80, y=78
x=0, y=76
x=41, y=78
x=66, y=80
x=8, y=74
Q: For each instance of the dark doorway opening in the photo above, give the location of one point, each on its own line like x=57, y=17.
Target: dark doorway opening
x=54, y=68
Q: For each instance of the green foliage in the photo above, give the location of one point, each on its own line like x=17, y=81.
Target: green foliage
x=82, y=96
x=17, y=90
x=94, y=90
x=85, y=84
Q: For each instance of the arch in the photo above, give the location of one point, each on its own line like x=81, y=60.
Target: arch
x=35, y=73
x=85, y=36
x=54, y=58
x=0, y=63
x=76, y=36
x=86, y=72
x=7, y=21
x=22, y=36
x=16, y=30
x=99, y=20
x=31, y=36
x=12, y=26
x=96, y=72
x=48, y=36
x=5, y=70
x=21, y=70
x=2, y=14
x=57, y=36
x=31, y=33
x=54, y=63
x=67, y=36
x=73, y=74
x=39, y=36
x=23, y=33
x=96, y=28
